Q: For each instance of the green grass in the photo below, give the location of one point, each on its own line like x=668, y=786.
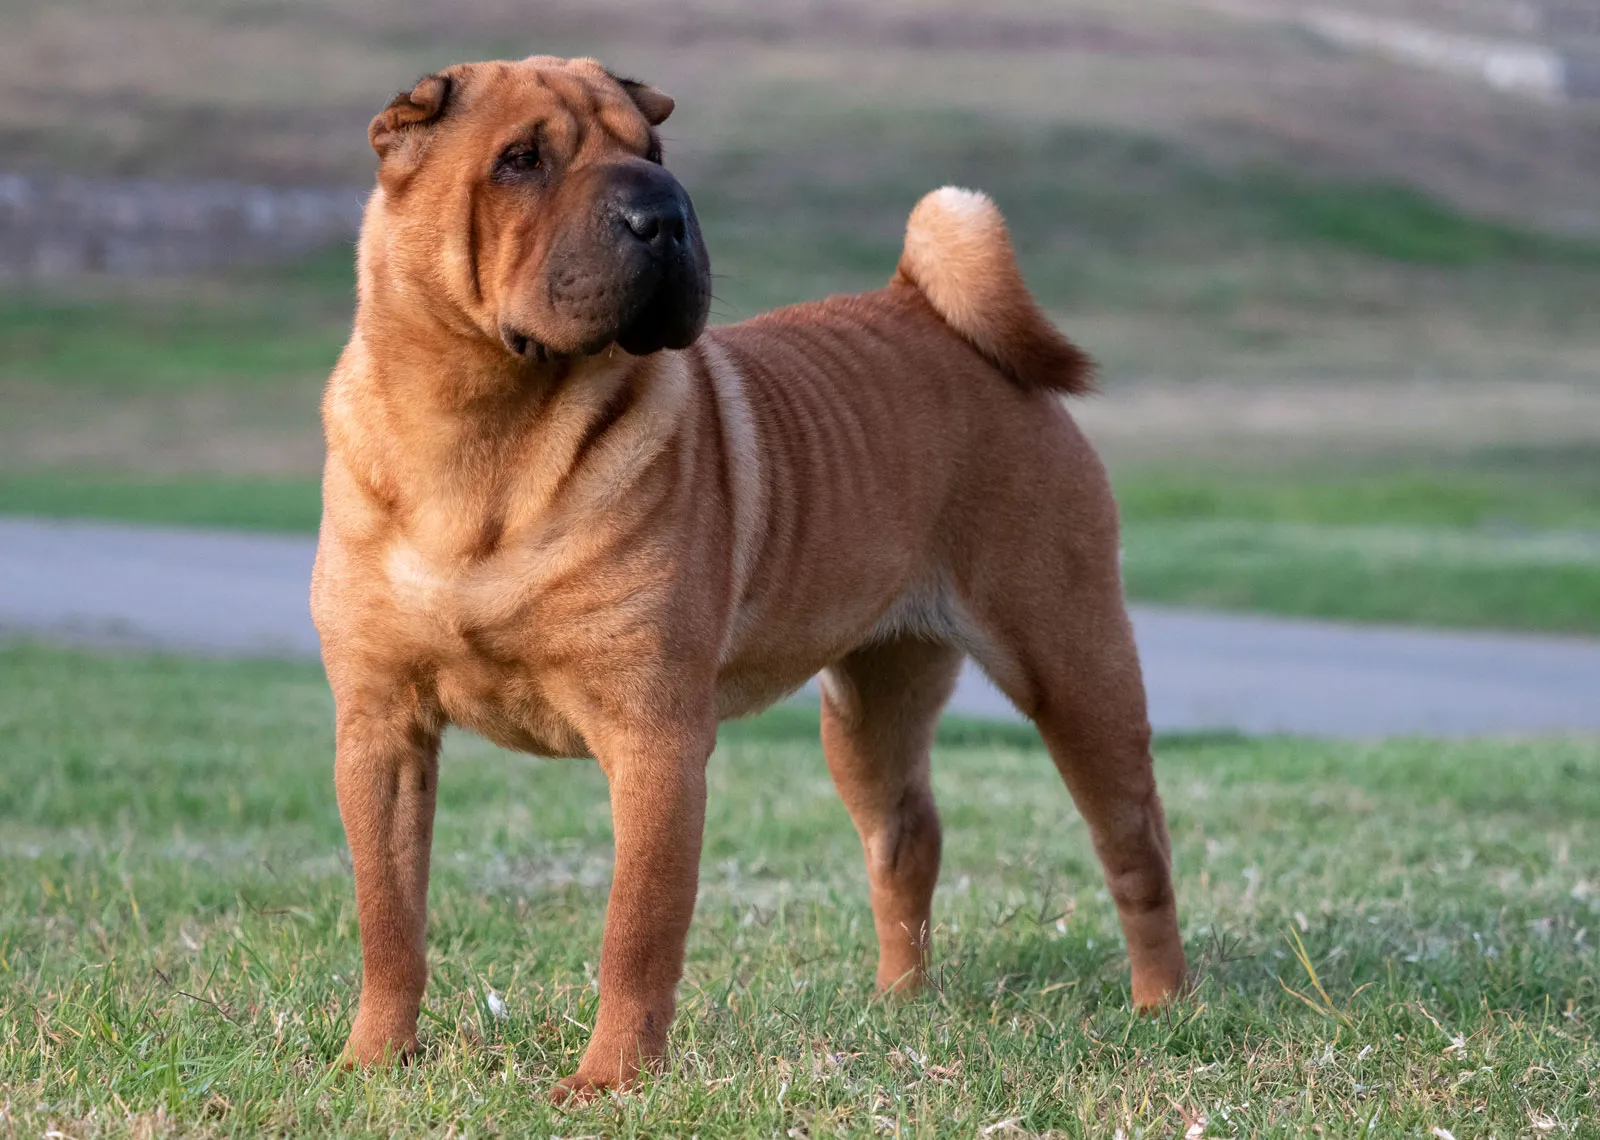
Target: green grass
x=178, y=951
x=1399, y=223
x=1508, y=540
x=1509, y=489
x=253, y=330
x=292, y=504
x=1544, y=582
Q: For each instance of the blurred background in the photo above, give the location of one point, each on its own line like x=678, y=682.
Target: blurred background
x=1341, y=266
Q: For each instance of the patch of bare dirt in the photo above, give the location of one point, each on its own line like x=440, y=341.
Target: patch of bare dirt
x=1168, y=422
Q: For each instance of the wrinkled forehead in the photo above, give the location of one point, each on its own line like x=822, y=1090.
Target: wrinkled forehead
x=568, y=105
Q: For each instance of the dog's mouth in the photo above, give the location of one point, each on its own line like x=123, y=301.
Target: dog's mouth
x=534, y=351
x=522, y=345
x=670, y=316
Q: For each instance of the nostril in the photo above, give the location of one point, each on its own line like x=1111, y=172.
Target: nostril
x=645, y=225
x=655, y=224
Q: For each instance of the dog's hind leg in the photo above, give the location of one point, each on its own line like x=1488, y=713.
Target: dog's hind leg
x=1081, y=685
x=1060, y=645
x=880, y=706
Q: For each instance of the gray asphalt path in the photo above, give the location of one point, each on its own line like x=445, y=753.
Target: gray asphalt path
x=222, y=593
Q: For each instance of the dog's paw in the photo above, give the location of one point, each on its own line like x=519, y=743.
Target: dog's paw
x=579, y=1089
x=1153, y=990
x=370, y=1048
x=593, y=1081
x=902, y=979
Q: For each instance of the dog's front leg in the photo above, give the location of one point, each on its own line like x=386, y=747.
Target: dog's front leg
x=386, y=775
x=658, y=803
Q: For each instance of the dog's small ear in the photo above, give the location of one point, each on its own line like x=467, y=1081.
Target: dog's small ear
x=654, y=105
x=407, y=111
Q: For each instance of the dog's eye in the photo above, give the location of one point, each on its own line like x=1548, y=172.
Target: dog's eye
x=653, y=154
x=521, y=160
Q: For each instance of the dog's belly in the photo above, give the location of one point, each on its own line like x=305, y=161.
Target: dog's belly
x=775, y=663
x=772, y=657
x=750, y=688
x=482, y=645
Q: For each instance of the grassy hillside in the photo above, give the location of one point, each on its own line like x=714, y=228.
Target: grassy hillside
x=280, y=89
x=1196, y=195
x=1166, y=265
x=195, y=402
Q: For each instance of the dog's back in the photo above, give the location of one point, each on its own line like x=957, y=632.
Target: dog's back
x=907, y=446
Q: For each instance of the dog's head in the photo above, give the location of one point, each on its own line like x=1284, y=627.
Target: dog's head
x=531, y=197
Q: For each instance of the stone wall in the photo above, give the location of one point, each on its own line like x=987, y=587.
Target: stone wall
x=55, y=226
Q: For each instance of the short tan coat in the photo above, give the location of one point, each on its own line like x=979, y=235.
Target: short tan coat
x=601, y=554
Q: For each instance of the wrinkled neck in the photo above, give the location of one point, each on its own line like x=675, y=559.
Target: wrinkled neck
x=416, y=327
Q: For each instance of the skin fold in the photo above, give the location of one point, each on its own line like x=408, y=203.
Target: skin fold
x=560, y=512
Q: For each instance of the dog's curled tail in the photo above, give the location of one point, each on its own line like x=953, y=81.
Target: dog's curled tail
x=959, y=255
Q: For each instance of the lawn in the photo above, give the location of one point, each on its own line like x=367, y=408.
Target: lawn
x=1390, y=938
x=1504, y=538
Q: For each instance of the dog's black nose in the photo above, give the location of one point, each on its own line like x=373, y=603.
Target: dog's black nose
x=658, y=221
x=648, y=206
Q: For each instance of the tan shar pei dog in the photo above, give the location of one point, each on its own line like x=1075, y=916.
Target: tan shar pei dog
x=560, y=512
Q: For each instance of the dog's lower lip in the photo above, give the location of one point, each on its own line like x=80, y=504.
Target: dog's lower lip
x=522, y=345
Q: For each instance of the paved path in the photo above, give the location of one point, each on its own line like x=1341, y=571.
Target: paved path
x=216, y=592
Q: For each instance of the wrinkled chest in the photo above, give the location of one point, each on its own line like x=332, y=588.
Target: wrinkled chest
x=476, y=631
x=506, y=704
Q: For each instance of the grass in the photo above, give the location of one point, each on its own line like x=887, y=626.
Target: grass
x=156, y=378
x=1543, y=582
x=1389, y=937
x=1508, y=539
x=1402, y=224
x=287, y=504
x=255, y=331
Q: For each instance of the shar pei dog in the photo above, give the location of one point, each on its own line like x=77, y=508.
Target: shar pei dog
x=561, y=512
